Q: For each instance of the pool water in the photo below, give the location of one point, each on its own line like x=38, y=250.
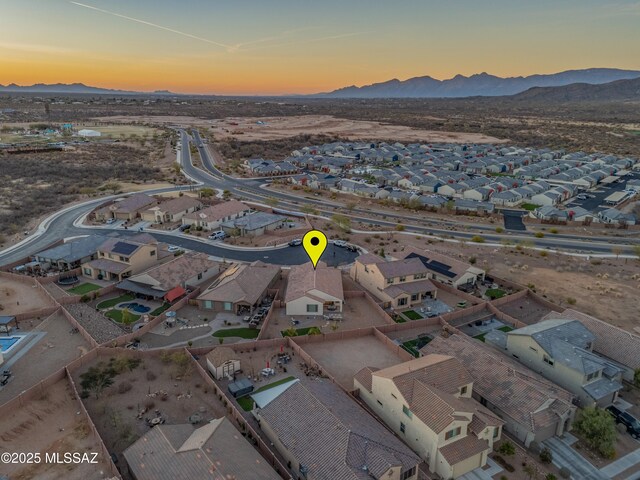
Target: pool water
x=135, y=307
x=7, y=342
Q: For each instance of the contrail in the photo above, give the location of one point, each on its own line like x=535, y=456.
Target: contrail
x=310, y=40
x=155, y=25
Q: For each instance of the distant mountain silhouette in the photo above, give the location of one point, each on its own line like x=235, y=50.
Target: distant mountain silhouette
x=73, y=88
x=618, y=90
x=481, y=84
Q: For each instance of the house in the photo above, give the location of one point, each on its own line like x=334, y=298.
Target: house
x=239, y=288
x=72, y=253
x=479, y=194
x=428, y=403
x=171, y=210
x=446, y=269
x=398, y=283
x=323, y=434
x=254, y=225
x=89, y=133
x=117, y=259
x=613, y=343
x=210, y=218
x=561, y=350
x=550, y=213
x=472, y=206
x=171, y=280
x=313, y=291
x=532, y=408
x=126, y=208
x=616, y=217
x=216, y=451
x=223, y=362
x=507, y=198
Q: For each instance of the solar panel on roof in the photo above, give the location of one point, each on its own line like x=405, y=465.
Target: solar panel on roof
x=440, y=264
x=124, y=248
x=442, y=271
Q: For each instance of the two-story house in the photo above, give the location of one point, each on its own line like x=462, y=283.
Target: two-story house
x=117, y=258
x=398, y=284
x=561, y=350
x=427, y=402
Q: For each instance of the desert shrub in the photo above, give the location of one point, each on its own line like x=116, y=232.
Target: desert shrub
x=550, y=476
x=539, y=235
x=151, y=376
x=546, y=456
x=124, y=387
x=507, y=448
x=598, y=429
x=565, y=472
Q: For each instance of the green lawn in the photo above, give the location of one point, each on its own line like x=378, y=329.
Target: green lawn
x=117, y=316
x=412, y=315
x=529, y=206
x=159, y=310
x=112, y=302
x=84, y=288
x=247, y=402
x=506, y=328
x=494, y=293
x=414, y=346
x=399, y=319
x=481, y=336
x=249, y=333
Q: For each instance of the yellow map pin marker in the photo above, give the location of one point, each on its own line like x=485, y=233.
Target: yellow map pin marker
x=314, y=243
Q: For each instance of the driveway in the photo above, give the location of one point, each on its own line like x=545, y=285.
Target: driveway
x=622, y=464
x=565, y=456
x=513, y=220
x=480, y=474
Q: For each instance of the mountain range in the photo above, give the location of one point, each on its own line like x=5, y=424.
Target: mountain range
x=620, y=90
x=481, y=84
x=73, y=88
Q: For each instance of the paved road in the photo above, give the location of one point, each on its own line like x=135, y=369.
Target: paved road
x=565, y=456
x=61, y=226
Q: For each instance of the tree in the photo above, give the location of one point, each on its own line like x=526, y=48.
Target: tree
x=507, y=448
x=176, y=168
x=291, y=332
x=97, y=378
x=530, y=471
x=314, y=331
x=226, y=194
x=616, y=251
x=399, y=227
x=598, y=429
x=350, y=206
x=113, y=186
x=343, y=222
x=546, y=456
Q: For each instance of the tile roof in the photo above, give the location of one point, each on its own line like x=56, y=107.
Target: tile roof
x=410, y=288
x=254, y=221
x=176, y=272
x=219, y=211
x=518, y=392
x=241, y=283
x=611, y=341
x=108, y=265
x=399, y=268
x=74, y=249
x=215, y=451
x=304, y=278
x=133, y=203
x=330, y=435
x=177, y=205
x=464, y=448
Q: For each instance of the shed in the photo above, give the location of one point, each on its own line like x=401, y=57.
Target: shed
x=5, y=323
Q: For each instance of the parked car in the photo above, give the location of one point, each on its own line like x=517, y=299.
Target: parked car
x=352, y=248
x=110, y=221
x=340, y=243
x=628, y=420
x=295, y=243
x=174, y=249
x=182, y=228
x=267, y=372
x=217, y=236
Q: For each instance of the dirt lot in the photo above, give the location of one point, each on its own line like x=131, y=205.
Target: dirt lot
x=53, y=351
x=152, y=385
x=344, y=358
x=18, y=297
x=280, y=127
x=50, y=424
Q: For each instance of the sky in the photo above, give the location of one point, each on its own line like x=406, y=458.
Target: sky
x=254, y=47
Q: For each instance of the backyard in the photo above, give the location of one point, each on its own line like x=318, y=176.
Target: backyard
x=247, y=333
x=502, y=329
x=84, y=288
x=247, y=402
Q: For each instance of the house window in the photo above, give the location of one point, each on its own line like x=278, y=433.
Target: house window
x=402, y=301
x=380, y=403
x=415, y=297
x=402, y=427
x=548, y=360
x=408, y=473
x=200, y=276
x=123, y=259
x=152, y=253
x=312, y=308
x=463, y=390
x=394, y=396
x=453, y=433
x=534, y=349
x=496, y=432
x=418, y=276
x=593, y=375
x=88, y=271
x=406, y=411
x=402, y=279
x=366, y=269
x=227, y=306
x=207, y=304
x=389, y=281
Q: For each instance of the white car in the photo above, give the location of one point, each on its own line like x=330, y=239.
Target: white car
x=174, y=249
x=340, y=243
x=110, y=221
x=267, y=372
x=217, y=236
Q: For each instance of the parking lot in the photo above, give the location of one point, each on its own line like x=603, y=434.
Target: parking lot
x=596, y=203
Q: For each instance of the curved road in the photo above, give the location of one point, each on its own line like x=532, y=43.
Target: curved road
x=61, y=224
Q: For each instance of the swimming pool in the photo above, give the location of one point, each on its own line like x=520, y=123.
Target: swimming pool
x=135, y=307
x=7, y=343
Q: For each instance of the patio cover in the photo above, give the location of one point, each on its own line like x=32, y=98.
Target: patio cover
x=141, y=289
x=174, y=293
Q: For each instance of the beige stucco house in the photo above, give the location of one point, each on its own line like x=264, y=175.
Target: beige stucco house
x=117, y=259
x=446, y=269
x=561, y=350
x=398, y=284
x=314, y=291
x=211, y=218
x=428, y=403
x=171, y=210
x=126, y=208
